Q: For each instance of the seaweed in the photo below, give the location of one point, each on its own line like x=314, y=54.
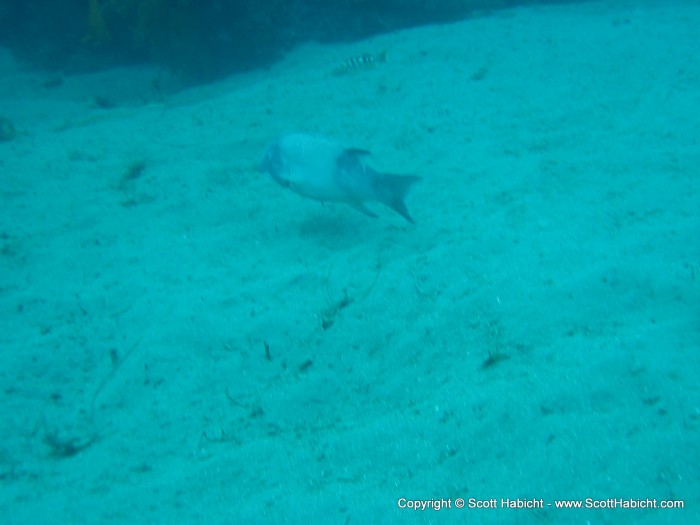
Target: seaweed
x=494, y=358
x=61, y=447
x=7, y=130
x=330, y=313
x=127, y=184
x=97, y=32
x=132, y=172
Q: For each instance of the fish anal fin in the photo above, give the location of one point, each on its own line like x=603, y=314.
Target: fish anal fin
x=362, y=208
x=391, y=190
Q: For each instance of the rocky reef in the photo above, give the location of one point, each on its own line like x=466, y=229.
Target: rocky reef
x=204, y=39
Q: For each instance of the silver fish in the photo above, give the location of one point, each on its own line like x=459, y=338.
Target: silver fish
x=323, y=169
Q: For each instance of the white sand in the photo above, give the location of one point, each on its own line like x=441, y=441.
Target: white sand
x=557, y=225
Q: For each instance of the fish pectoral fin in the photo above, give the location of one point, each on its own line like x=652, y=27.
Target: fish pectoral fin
x=357, y=152
x=362, y=208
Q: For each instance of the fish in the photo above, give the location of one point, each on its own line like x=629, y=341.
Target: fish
x=325, y=170
x=366, y=61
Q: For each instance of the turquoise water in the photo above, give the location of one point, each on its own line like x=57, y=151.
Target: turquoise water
x=186, y=341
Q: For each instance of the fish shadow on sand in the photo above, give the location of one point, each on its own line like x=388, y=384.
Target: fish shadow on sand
x=330, y=223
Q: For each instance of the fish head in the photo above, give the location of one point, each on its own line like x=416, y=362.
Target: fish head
x=275, y=165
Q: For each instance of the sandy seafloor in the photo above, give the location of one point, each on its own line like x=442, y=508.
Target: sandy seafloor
x=557, y=239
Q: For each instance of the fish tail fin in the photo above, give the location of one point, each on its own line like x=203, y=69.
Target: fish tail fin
x=392, y=190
